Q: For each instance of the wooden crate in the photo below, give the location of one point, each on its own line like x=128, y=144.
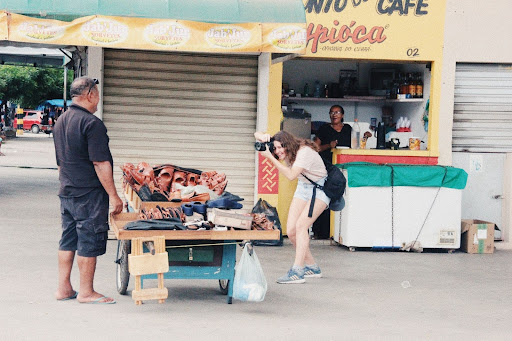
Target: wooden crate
x=140, y=263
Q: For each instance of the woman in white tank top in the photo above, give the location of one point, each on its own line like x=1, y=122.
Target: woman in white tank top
x=294, y=157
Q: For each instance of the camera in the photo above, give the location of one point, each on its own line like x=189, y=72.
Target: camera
x=261, y=146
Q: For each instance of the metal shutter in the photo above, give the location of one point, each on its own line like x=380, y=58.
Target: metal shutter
x=190, y=110
x=482, y=119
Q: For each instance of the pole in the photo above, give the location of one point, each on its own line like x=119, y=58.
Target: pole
x=65, y=88
x=19, y=123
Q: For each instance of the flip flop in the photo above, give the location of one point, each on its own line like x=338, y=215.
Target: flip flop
x=72, y=297
x=98, y=301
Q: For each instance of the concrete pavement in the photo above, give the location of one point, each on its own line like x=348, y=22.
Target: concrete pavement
x=363, y=294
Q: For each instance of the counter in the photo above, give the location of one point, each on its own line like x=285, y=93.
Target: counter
x=382, y=156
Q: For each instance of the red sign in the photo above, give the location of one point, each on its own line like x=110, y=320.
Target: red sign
x=268, y=177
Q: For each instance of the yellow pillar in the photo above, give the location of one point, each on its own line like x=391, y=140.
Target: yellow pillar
x=19, y=123
x=275, y=117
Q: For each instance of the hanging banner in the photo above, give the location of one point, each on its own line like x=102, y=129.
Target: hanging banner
x=4, y=31
x=375, y=29
x=44, y=31
x=283, y=38
x=160, y=34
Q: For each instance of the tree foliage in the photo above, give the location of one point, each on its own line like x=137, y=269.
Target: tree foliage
x=28, y=86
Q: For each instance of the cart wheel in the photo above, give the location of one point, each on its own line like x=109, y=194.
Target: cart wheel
x=122, y=273
x=223, y=284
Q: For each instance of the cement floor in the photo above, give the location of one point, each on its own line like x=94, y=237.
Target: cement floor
x=363, y=294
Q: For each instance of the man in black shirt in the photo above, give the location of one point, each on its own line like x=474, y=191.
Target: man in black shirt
x=86, y=185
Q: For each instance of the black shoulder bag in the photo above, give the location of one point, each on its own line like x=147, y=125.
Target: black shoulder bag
x=334, y=185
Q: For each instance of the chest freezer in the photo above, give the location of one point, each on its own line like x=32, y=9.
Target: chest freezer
x=424, y=205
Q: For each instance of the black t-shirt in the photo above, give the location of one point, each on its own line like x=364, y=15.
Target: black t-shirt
x=80, y=138
x=326, y=134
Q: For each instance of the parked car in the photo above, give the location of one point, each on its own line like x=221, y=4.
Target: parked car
x=35, y=121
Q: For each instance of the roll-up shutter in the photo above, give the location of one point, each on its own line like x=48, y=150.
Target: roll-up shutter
x=482, y=120
x=190, y=110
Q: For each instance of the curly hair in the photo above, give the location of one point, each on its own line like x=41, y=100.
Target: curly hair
x=292, y=145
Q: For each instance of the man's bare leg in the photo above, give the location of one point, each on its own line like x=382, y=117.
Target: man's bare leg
x=65, y=289
x=87, y=267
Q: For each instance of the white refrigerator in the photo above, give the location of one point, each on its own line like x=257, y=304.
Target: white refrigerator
x=393, y=217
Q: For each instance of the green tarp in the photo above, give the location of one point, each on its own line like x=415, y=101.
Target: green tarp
x=218, y=11
x=361, y=174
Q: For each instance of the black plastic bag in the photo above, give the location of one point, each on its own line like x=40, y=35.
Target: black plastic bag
x=271, y=212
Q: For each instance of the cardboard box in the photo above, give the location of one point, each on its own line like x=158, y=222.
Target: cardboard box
x=230, y=218
x=477, y=236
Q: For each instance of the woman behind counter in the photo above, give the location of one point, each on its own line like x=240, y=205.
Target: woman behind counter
x=333, y=134
x=329, y=136
x=299, y=156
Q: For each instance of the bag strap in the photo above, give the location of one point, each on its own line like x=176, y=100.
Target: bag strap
x=314, y=183
x=313, y=198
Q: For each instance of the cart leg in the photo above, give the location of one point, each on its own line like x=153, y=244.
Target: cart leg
x=230, y=291
x=161, y=285
x=138, y=286
x=230, y=255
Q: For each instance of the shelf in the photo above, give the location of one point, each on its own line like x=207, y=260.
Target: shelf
x=384, y=152
x=353, y=99
x=405, y=100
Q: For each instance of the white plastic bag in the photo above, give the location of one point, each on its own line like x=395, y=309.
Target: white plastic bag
x=250, y=283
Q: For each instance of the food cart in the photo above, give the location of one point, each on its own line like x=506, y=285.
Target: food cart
x=206, y=254
x=191, y=254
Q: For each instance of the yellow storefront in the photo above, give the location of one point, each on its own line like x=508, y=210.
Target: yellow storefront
x=365, y=38
x=181, y=78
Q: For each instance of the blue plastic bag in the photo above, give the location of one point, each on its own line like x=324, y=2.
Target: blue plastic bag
x=250, y=283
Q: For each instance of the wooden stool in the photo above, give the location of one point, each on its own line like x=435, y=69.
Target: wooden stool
x=140, y=263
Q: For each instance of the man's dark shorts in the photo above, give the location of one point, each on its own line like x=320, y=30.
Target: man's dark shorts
x=85, y=223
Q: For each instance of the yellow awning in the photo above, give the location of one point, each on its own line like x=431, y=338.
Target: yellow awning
x=155, y=34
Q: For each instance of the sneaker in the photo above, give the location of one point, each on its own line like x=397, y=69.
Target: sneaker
x=294, y=276
x=312, y=271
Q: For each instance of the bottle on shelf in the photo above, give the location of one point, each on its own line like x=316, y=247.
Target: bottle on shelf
x=419, y=85
x=326, y=91
x=317, y=89
x=389, y=86
x=306, y=90
x=403, y=86
x=412, y=85
x=355, y=137
x=395, y=89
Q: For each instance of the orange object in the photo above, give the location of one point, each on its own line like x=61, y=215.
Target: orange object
x=414, y=143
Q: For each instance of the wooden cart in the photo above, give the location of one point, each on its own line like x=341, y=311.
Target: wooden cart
x=193, y=254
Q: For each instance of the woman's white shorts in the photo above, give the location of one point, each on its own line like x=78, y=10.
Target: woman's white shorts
x=304, y=191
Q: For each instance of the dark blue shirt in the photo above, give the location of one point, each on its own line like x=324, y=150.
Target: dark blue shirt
x=80, y=138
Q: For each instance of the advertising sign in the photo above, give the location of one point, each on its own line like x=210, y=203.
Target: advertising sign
x=4, y=32
x=159, y=34
x=375, y=29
